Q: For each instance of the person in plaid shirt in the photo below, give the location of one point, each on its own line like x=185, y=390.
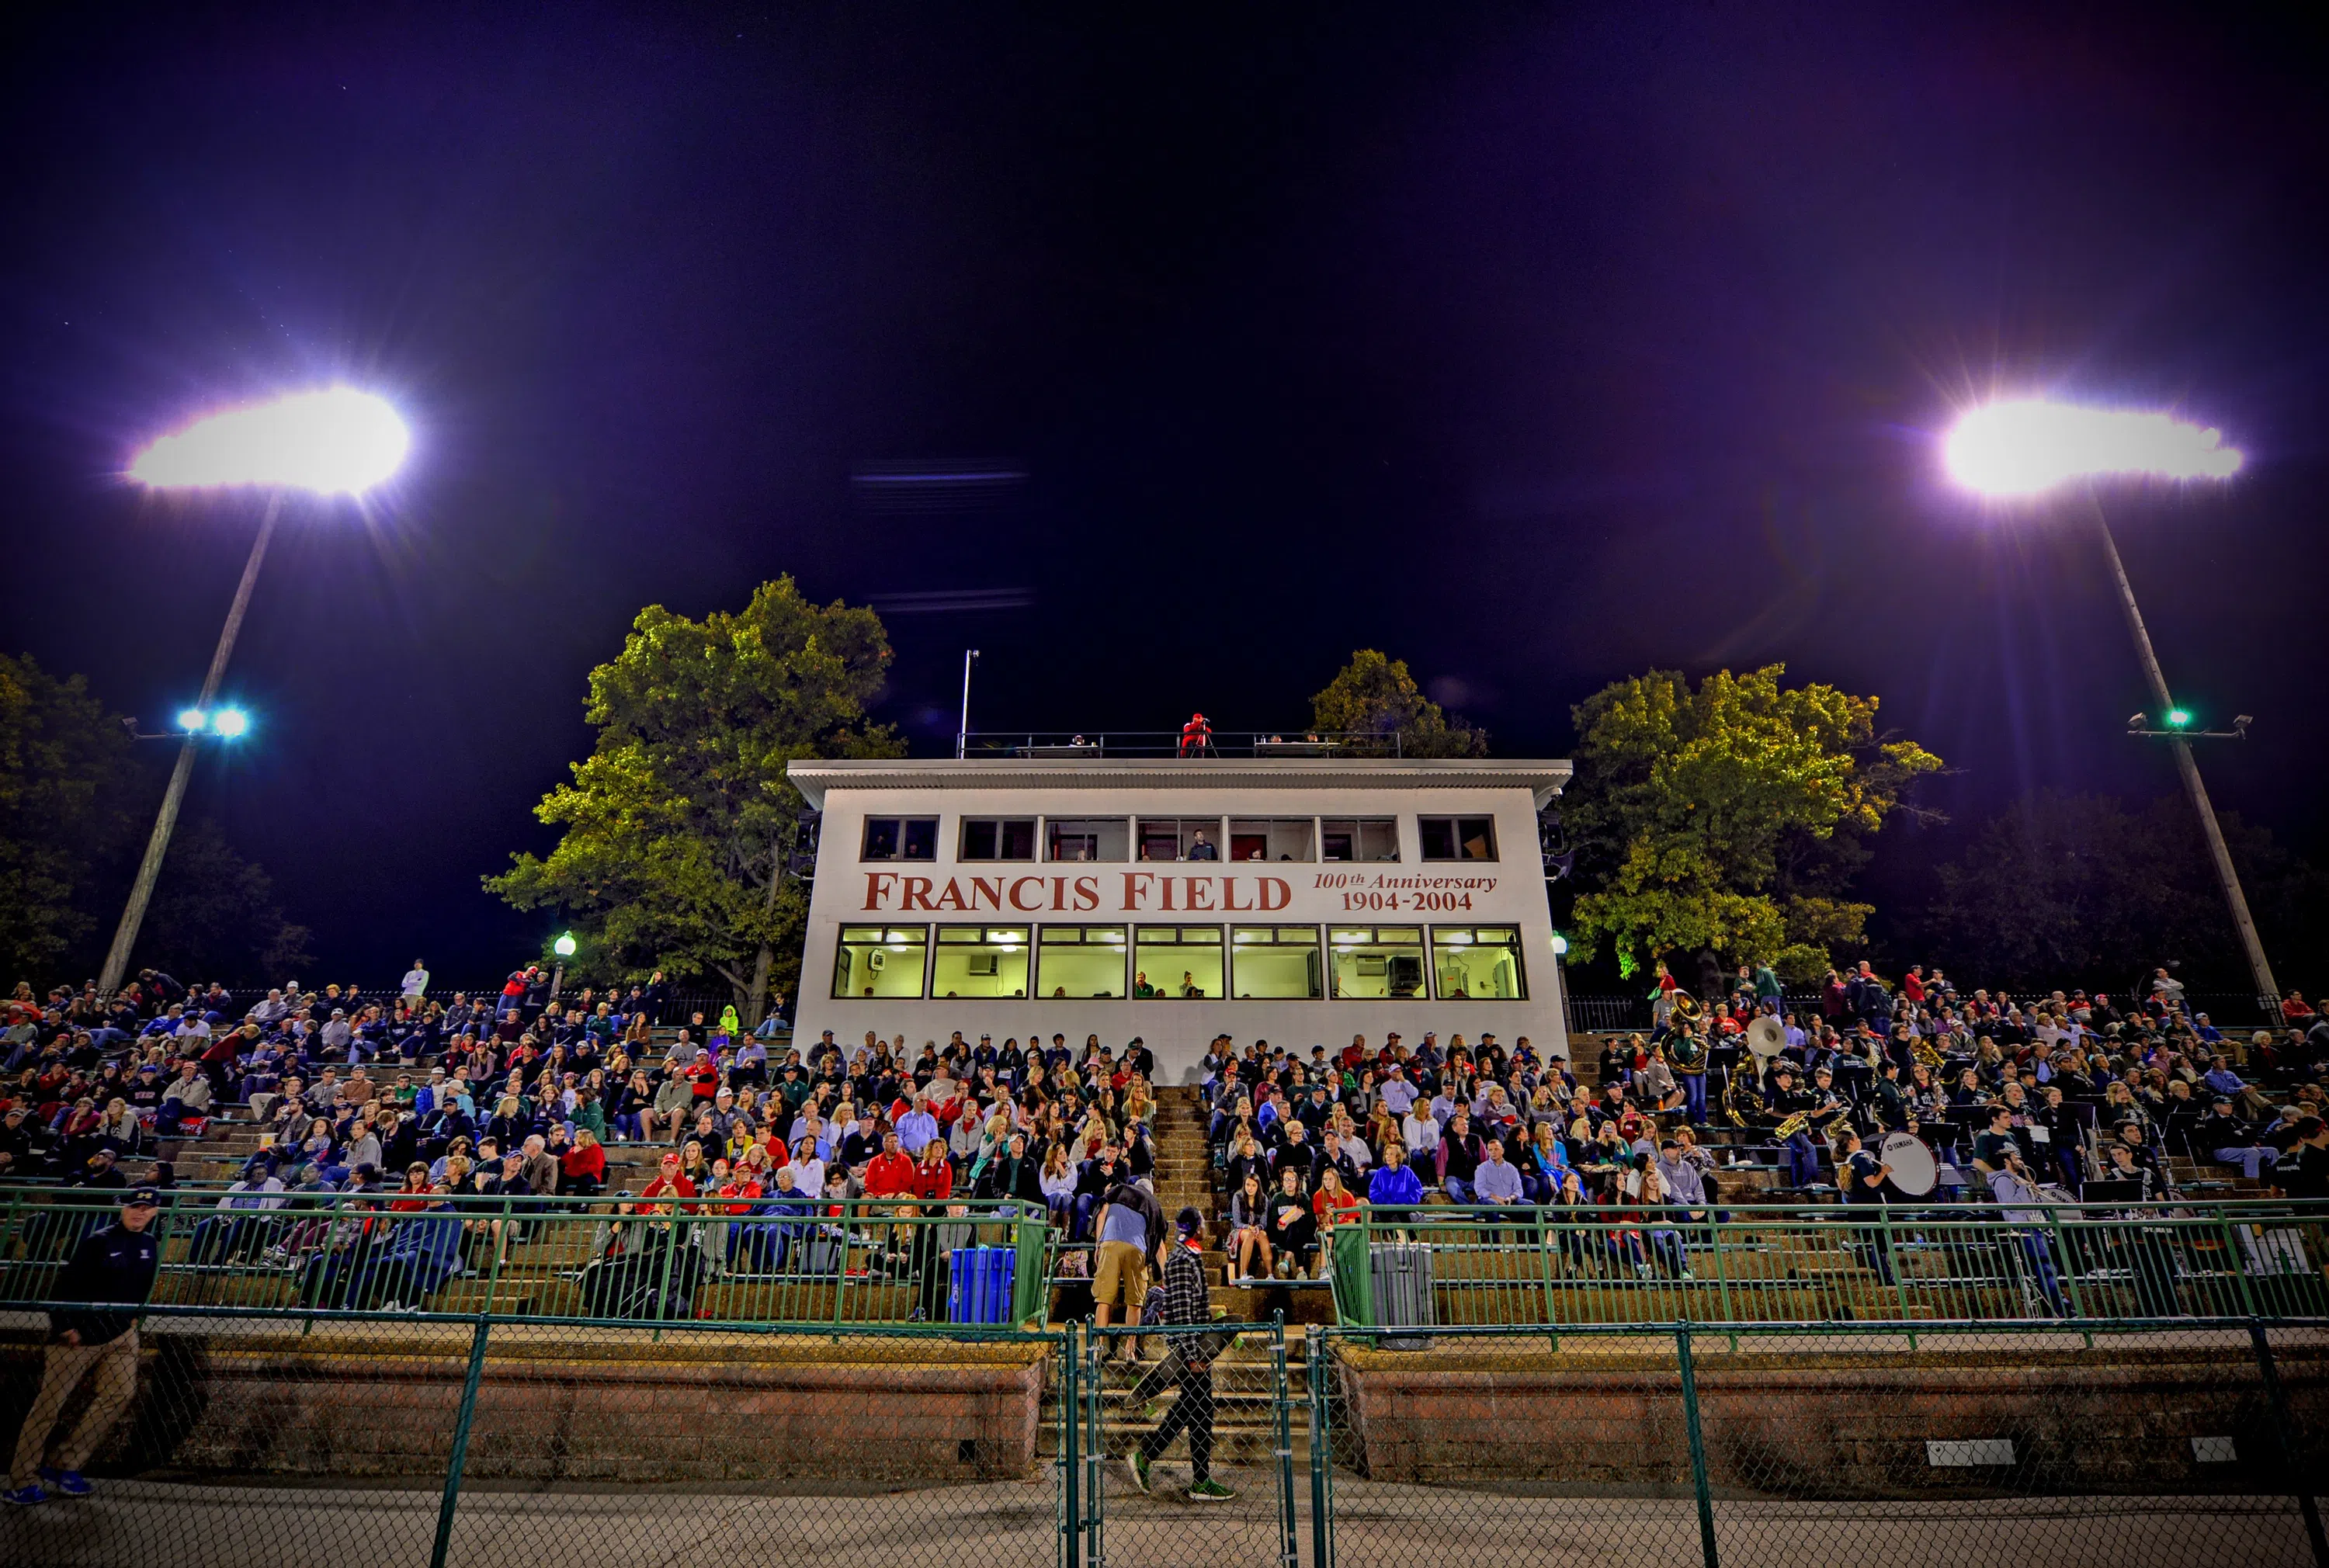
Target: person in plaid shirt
x=1186, y=1307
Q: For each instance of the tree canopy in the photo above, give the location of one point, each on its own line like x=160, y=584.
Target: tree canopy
x=678, y=825
x=2086, y=889
x=1728, y=817
x=1375, y=695
x=75, y=807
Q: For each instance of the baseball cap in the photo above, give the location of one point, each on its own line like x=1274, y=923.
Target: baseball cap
x=142, y=1198
x=1189, y=1222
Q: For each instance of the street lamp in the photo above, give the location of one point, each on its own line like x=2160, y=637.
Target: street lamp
x=2027, y=448
x=564, y=948
x=336, y=442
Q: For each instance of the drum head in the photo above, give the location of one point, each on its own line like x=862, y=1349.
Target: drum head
x=1914, y=1169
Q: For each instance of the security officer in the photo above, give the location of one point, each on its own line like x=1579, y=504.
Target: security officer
x=112, y=1268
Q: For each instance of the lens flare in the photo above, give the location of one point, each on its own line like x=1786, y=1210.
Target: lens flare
x=2028, y=446
x=336, y=442
x=230, y=723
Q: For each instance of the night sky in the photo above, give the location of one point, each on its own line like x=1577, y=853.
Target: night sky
x=1534, y=346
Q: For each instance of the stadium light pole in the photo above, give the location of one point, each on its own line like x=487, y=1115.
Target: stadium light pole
x=2024, y=450
x=335, y=442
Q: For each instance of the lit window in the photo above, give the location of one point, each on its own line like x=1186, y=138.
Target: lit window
x=980, y=961
x=1176, y=962
x=1078, y=961
x=880, y=960
x=1276, y=962
x=1478, y=963
x=901, y=838
x=1457, y=838
x=1376, y=962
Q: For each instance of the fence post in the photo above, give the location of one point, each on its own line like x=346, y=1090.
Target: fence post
x=1697, y=1446
x=1322, y=1452
x=2285, y=1431
x=1282, y=1434
x=1071, y=1421
x=460, y=1456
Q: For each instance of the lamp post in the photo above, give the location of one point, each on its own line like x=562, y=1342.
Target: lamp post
x=2024, y=450
x=962, y=735
x=337, y=442
x=564, y=948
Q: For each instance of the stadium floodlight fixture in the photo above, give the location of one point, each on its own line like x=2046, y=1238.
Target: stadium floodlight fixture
x=193, y=719
x=2026, y=447
x=338, y=441
x=326, y=441
x=230, y=724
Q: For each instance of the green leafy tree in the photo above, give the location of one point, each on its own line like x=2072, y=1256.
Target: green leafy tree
x=1728, y=817
x=678, y=825
x=2075, y=889
x=64, y=764
x=1375, y=695
x=214, y=916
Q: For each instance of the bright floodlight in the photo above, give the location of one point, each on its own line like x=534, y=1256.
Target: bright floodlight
x=192, y=718
x=2028, y=446
x=564, y=945
x=338, y=442
x=230, y=723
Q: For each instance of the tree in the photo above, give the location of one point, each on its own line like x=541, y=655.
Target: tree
x=64, y=765
x=679, y=824
x=2075, y=889
x=1728, y=817
x=215, y=915
x=1375, y=695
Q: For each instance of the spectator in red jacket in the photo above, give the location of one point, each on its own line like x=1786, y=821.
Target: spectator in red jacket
x=933, y=1179
x=890, y=1173
x=582, y=1169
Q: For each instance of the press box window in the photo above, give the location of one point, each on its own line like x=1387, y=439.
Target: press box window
x=1457, y=838
x=901, y=838
x=1376, y=962
x=981, y=961
x=1086, y=839
x=1180, y=839
x=1478, y=963
x=1358, y=838
x=1177, y=961
x=1276, y=963
x=998, y=838
x=880, y=960
x=1080, y=961
x=1271, y=838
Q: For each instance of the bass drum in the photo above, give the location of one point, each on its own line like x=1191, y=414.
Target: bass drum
x=1914, y=1169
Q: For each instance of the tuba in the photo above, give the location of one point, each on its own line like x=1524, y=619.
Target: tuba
x=1686, y=1011
x=1742, y=1101
x=1686, y=1051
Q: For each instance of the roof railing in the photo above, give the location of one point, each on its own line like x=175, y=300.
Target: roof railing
x=1213, y=743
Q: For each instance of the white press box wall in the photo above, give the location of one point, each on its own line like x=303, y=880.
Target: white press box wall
x=1509, y=890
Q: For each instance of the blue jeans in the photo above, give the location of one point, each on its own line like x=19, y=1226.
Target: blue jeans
x=1459, y=1190
x=1693, y=1096
x=1802, y=1161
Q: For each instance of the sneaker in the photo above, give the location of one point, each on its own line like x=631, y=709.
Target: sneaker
x=65, y=1483
x=1209, y=1491
x=24, y=1497
x=1136, y=1459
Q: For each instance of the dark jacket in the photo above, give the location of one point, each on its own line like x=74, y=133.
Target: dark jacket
x=113, y=1264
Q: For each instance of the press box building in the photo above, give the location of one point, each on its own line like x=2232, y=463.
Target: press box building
x=1299, y=899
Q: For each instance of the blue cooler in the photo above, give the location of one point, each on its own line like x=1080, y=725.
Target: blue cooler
x=978, y=1284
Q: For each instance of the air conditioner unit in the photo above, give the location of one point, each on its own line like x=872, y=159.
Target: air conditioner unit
x=987, y=963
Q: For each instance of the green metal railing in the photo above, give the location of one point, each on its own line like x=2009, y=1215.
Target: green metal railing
x=1491, y=1266
x=862, y=1262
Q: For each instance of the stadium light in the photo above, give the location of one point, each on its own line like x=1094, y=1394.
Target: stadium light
x=330, y=441
x=564, y=945
x=2022, y=448
x=2028, y=446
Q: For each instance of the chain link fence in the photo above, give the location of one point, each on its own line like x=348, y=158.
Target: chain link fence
x=1895, y=1445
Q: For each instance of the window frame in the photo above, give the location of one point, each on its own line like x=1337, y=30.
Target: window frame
x=902, y=825
x=985, y=939
x=1045, y=941
x=962, y=841
x=889, y=939
x=1520, y=963
x=1422, y=943
x=1218, y=946
x=1316, y=946
x=1358, y=826
x=1455, y=827
x=1048, y=826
